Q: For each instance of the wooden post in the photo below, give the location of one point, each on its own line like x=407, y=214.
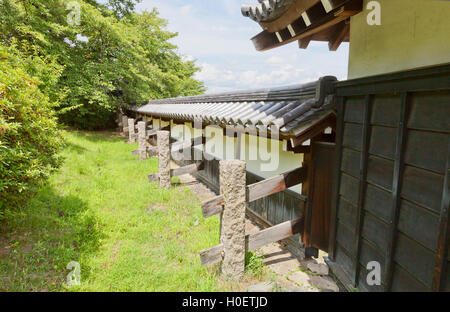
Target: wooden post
x=125, y=125
x=131, y=132
x=142, y=140
x=233, y=188
x=163, y=138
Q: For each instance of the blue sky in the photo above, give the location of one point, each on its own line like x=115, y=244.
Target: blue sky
x=217, y=36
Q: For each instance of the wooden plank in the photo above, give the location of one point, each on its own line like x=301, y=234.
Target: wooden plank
x=423, y=187
x=383, y=141
x=338, y=37
x=350, y=161
x=335, y=203
x=380, y=171
x=151, y=133
x=430, y=110
x=369, y=252
x=187, y=169
x=396, y=189
x=432, y=78
x=347, y=213
x=362, y=186
x=403, y=281
x=260, y=189
x=415, y=259
x=377, y=202
x=441, y=264
x=354, y=109
x=347, y=240
x=179, y=171
x=211, y=255
x=301, y=149
x=419, y=224
x=178, y=146
x=274, y=234
x=352, y=136
x=329, y=121
x=349, y=188
x=375, y=231
x=276, y=184
x=320, y=21
x=420, y=143
x=212, y=206
x=267, y=236
x=304, y=43
x=321, y=195
x=386, y=110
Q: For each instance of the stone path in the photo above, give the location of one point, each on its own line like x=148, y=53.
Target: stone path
x=290, y=273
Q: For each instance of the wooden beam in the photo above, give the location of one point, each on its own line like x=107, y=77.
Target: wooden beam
x=193, y=168
x=276, y=184
x=320, y=20
x=335, y=202
x=307, y=190
x=259, y=190
x=274, y=234
x=327, y=5
x=211, y=255
x=396, y=188
x=441, y=265
x=290, y=15
x=178, y=146
x=212, y=206
x=329, y=121
x=152, y=133
x=151, y=150
x=301, y=149
x=267, y=236
x=304, y=42
x=187, y=169
x=339, y=35
x=362, y=186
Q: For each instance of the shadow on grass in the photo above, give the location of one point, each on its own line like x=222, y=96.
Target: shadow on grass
x=71, y=147
x=99, y=136
x=39, y=240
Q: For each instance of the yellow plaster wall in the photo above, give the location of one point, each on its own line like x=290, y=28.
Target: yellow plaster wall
x=257, y=162
x=412, y=34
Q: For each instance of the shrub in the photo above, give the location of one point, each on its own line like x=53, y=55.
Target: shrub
x=29, y=136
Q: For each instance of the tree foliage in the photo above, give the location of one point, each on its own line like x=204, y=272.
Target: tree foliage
x=52, y=67
x=114, y=58
x=29, y=136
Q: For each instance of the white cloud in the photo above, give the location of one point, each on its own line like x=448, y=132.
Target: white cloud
x=217, y=36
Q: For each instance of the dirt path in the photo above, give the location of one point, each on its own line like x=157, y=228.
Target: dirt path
x=290, y=273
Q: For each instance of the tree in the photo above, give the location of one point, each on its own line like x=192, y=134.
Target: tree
x=30, y=138
x=114, y=58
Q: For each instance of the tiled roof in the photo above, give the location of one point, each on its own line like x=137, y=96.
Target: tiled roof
x=265, y=9
x=287, y=108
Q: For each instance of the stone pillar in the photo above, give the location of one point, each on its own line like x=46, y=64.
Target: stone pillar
x=131, y=132
x=142, y=140
x=233, y=189
x=125, y=125
x=163, y=138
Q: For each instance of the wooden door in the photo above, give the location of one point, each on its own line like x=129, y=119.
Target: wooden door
x=320, y=193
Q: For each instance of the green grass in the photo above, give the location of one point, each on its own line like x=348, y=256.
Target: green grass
x=100, y=211
x=254, y=264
